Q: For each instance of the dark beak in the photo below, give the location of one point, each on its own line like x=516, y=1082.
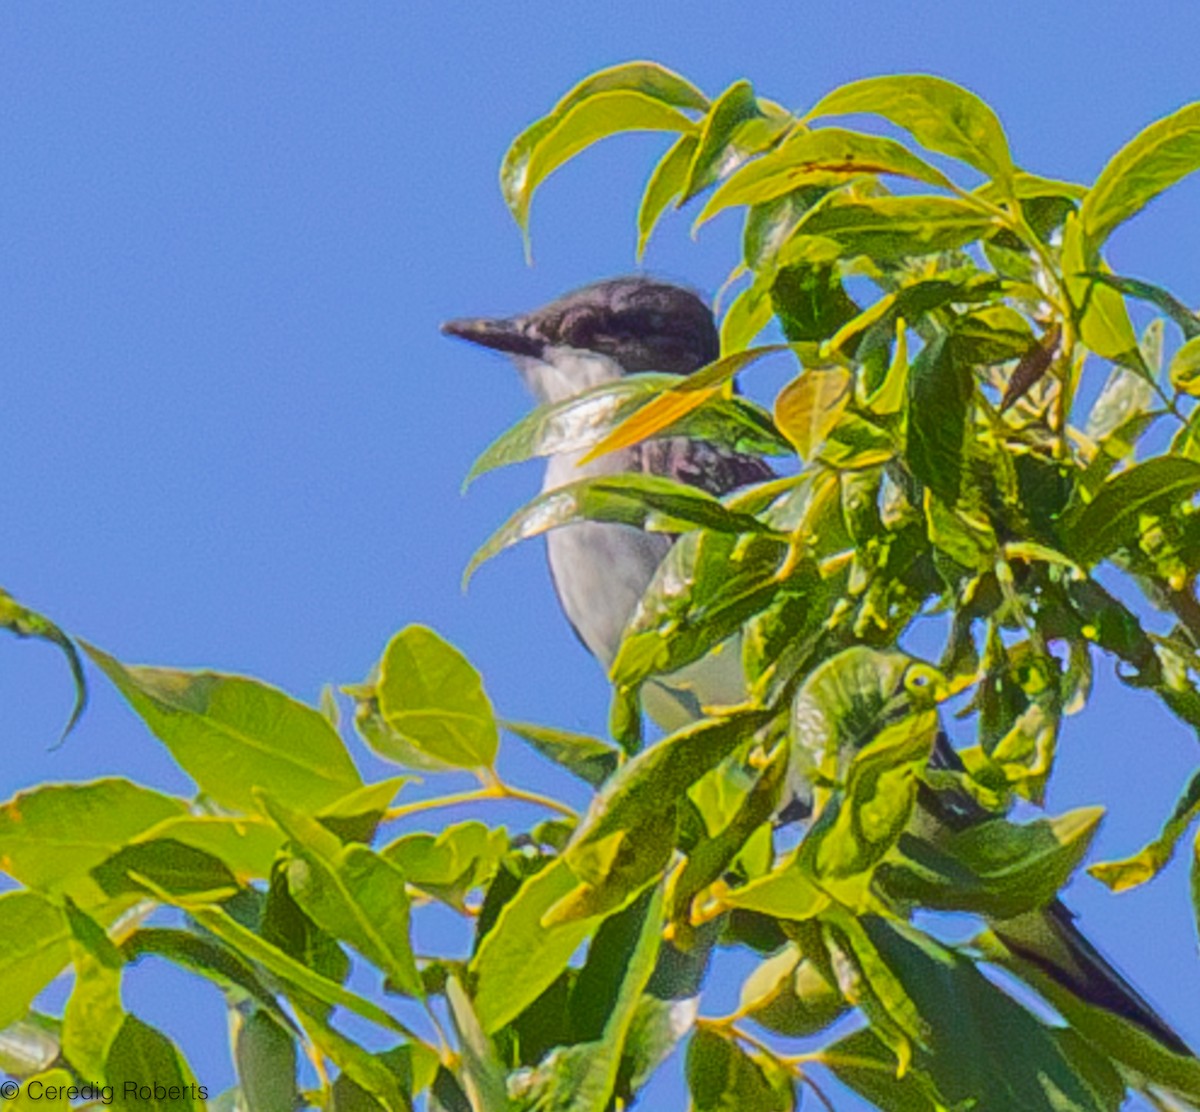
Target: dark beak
x=505, y=335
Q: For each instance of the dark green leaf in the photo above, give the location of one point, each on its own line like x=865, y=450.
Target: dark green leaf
x=24, y=622
x=996, y=868
x=1111, y=518
x=940, y=391
x=185, y=872
x=592, y=760
x=146, y=1065
x=721, y=1076
x=265, y=1056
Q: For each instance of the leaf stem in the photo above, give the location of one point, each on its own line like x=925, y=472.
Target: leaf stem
x=494, y=788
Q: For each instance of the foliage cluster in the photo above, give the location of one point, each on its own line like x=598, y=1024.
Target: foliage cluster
x=945, y=309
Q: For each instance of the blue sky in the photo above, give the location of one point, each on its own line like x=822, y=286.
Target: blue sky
x=233, y=437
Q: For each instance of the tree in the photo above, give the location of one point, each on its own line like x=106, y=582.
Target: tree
x=942, y=331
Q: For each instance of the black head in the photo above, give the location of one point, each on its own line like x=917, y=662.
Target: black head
x=643, y=324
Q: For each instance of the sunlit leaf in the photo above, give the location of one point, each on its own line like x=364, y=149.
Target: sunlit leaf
x=807, y=409
x=937, y=113
x=575, y=129
x=722, y=1076
x=232, y=734
x=1188, y=322
x=735, y=128
x=588, y=758
x=1151, y=162
x=431, y=695
x=1185, y=368
x=52, y=835
x=666, y=183
x=1151, y=860
x=810, y=155
x=520, y=958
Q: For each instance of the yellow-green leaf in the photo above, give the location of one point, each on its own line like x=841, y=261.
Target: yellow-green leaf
x=1185, y=368
x=937, y=113
x=809, y=406
x=430, y=694
x=1151, y=162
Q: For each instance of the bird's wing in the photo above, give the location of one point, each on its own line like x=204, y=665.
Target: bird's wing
x=701, y=464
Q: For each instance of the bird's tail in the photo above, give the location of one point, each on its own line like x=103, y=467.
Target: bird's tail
x=1048, y=939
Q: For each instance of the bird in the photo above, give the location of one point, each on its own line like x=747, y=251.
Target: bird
x=625, y=325
x=600, y=571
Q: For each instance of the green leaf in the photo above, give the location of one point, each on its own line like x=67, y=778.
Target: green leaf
x=937, y=113
x=33, y=950
x=811, y=302
x=1104, y=323
x=1153, y=858
x=702, y=592
x=735, y=128
x=1185, y=368
x=204, y=957
x=147, y=1064
x=46, y=1092
x=1151, y=162
x=232, y=734
x=94, y=1013
x=592, y=760
x=1111, y=518
x=646, y=785
x=245, y=845
x=692, y=392
x=748, y=314
x=431, y=696
x=24, y=622
x=940, y=393
x=962, y=1014
x=482, y=1070
x=647, y=78
x=641, y=500
x=571, y=131
x=885, y=228
x=520, y=958
x=863, y=1062
x=1188, y=322
x=1123, y=1040
x=580, y=421
x=295, y=975
x=185, y=872
x=808, y=407
x=265, y=1056
x=449, y=864
x=352, y=892
x=721, y=1076
x=810, y=156
x=790, y=995
x=666, y=183
x=996, y=868
x=52, y=835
